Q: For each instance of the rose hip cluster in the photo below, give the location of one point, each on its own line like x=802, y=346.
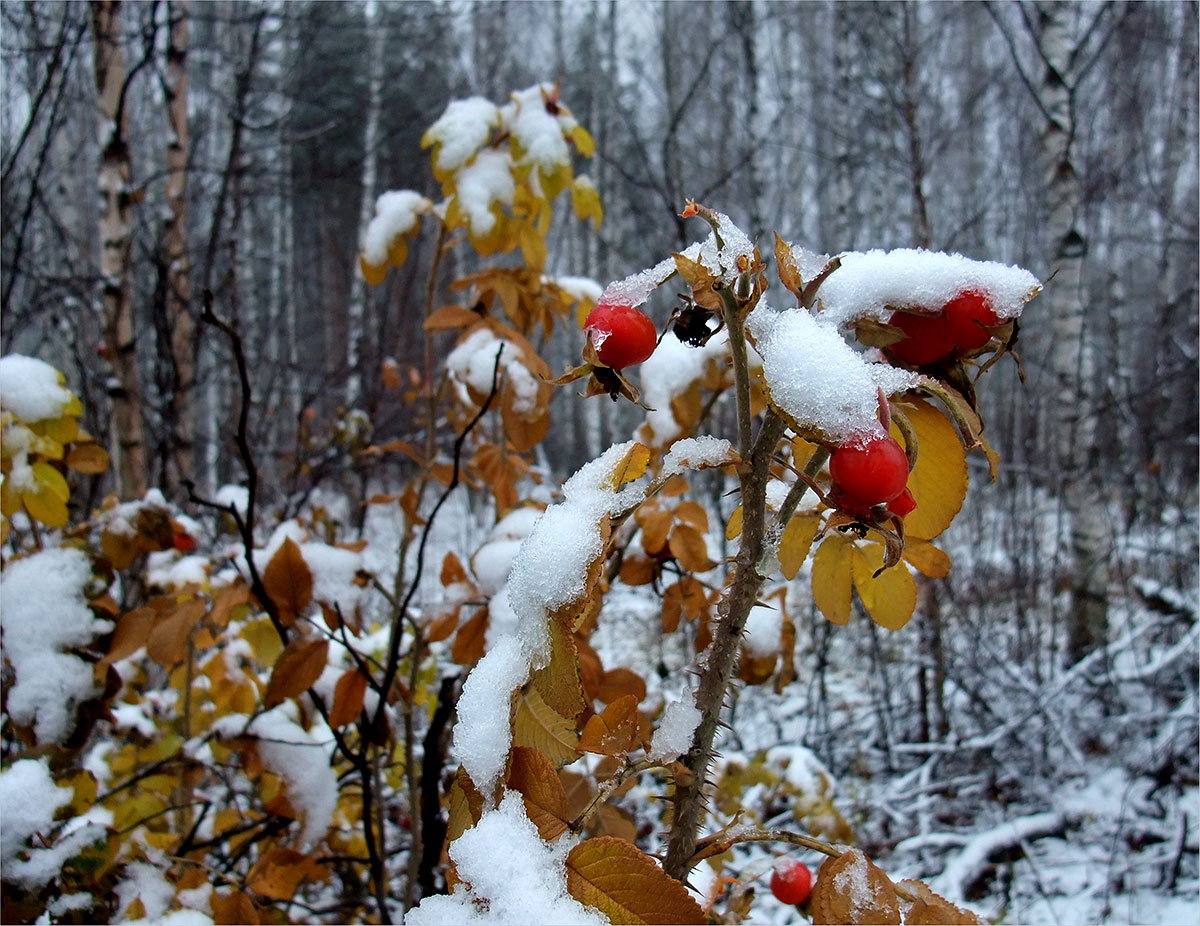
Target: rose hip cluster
x=963, y=325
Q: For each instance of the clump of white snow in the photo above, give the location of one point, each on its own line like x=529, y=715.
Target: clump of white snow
x=678, y=723
x=537, y=131
x=817, y=379
x=669, y=372
x=461, y=131
x=236, y=496
x=580, y=289
x=32, y=389
x=30, y=798
x=701, y=452
x=483, y=184
x=871, y=284
x=509, y=875
x=764, y=626
x=289, y=751
x=636, y=288
x=43, y=613
x=549, y=571
x=396, y=213
x=472, y=364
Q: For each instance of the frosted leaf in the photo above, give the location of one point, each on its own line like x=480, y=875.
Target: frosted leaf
x=696, y=453
x=867, y=282
x=578, y=288
x=473, y=362
x=668, y=372
x=549, y=570
x=291, y=752
x=637, y=287
x=461, y=130
x=32, y=389
x=396, y=213
x=485, y=182
x=509, y=874
x=538, y=132
x=43, y=613
x=676, y=727
x=29, y=798
x=734, y=244
x=817, y=379
x=763, y=631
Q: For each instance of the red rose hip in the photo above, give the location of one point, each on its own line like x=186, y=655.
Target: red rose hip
x=927, y=338
x=791, y=881
x=969, y=315
x=870, y=473
x=621, y=335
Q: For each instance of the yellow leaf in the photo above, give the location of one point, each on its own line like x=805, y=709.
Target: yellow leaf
x=926, y=558
x=796, y=542
x=583, y=141
x=45, y=505
x=626, y=885
x=372, y=273
x=533, y=247
x=88, y=458
x=831, y=578
x=397, y=251
x=52, y=480
x=63, y=430
x=939, y=480
x=889, y=597
x=632, y=466
x=585, y=200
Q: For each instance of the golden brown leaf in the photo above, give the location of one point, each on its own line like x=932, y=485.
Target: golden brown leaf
x=348, y=698
x=167, y=643
x=932, y=909
x=688, y=546
x=851, y=889
x=133, y=629
x=289, y=582
x=619, y=682
x=536, y=778
x=298, y=666
x=280, y=871
x=468, y=644
x=538, y=725
x=615, y=732
x=626, y=885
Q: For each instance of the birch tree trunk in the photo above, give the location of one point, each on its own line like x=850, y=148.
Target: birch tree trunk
x=180, y=318
x=116, y=236
x=360, y=293
x=1072, y=360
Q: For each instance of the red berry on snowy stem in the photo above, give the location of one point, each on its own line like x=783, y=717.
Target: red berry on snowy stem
x=621, y=335
x=870, y=472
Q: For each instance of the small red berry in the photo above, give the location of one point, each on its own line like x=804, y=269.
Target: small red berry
x=969, y=315
x=903, y=504
x=927, y=338
x=870, y=473
x=791, y=881
x=621, y=335
x=183, y=542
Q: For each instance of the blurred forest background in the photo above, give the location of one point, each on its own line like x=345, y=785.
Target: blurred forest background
x=256, y=136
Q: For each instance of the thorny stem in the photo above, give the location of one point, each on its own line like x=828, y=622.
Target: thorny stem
x=623, y=774
x=734, y=610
